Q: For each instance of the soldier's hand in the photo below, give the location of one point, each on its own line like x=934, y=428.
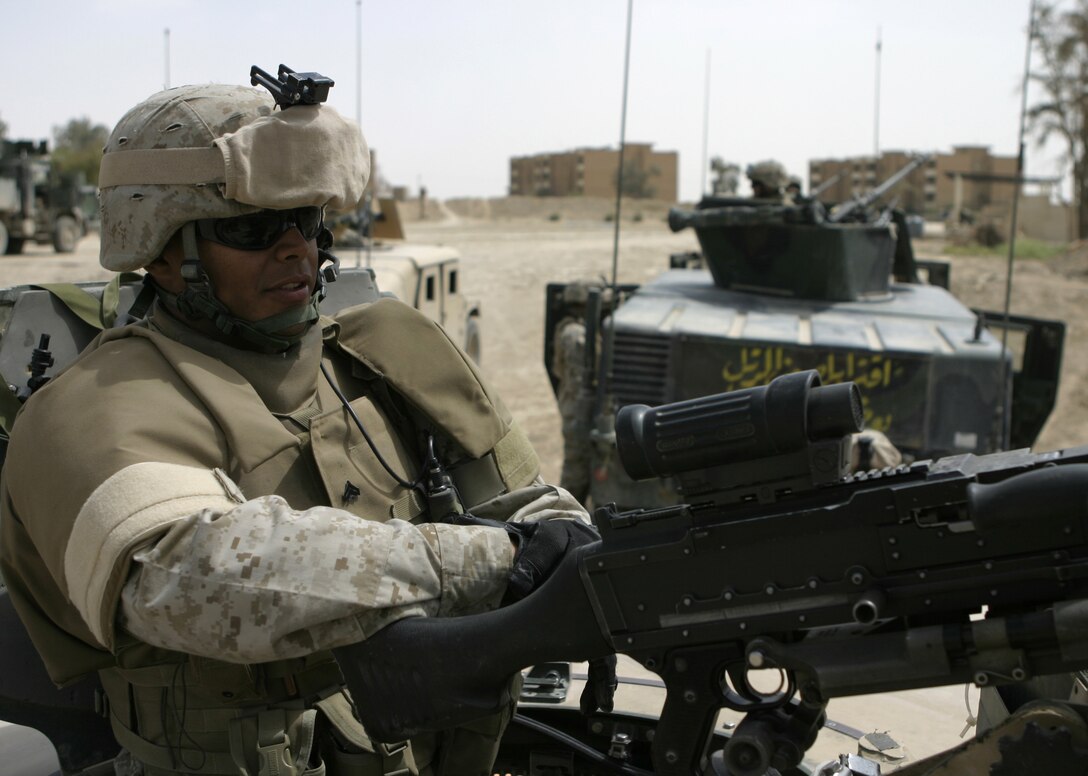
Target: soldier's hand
x=601, y=683
x=541, y=545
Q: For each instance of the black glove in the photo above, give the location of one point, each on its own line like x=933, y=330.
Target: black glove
x=601, y=682
x=434, y=673
x=541, y=545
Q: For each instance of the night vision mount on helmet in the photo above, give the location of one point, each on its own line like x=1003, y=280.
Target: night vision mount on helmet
x=291, y=88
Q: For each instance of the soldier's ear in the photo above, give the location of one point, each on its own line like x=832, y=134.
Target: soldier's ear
x=166, y=269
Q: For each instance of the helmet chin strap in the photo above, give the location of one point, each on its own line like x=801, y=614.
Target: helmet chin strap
x=198, y=300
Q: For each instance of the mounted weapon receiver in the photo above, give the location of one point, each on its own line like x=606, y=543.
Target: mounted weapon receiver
x=291, y=88
x=844, y=210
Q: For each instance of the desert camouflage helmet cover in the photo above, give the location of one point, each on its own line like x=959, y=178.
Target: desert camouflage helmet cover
x=769, y=173
x=217, y=151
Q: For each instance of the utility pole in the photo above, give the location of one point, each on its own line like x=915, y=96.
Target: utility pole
x=360, y=212
x=706, y=122
x=359, y=63
x=876, y=103
x=166, y=59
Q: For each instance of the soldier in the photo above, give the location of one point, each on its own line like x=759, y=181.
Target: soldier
x=725, y=177
x=793, y=189
x=767, y=178
x=211, y=499
x=574, y=400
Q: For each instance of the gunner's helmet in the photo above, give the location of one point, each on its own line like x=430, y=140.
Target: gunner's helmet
x=768, y=174
x=218, y=151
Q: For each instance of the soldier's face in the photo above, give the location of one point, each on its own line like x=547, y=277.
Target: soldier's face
x=258, y=284
x=252, y=284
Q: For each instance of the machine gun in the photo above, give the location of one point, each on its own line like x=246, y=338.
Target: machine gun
x=965, y=569
x=844, y=210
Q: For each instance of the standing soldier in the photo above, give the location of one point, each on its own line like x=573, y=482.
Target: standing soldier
x=572, y=394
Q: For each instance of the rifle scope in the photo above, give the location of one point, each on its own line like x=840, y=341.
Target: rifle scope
x=783, y=416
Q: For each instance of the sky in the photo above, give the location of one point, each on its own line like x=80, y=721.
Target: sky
x=449, y=90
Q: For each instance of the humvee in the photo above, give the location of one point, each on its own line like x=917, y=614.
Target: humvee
x=37, y=203
x=781, y=287
x=428, y=277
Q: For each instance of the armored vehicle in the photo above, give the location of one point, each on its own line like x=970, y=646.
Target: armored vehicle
x=38, y=203
x=428, y=277
x=783, y=286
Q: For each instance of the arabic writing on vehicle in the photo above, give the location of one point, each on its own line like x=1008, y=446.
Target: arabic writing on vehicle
x=871, y=371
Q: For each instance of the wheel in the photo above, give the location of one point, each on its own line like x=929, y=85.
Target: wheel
x=65, y=234
x=472, y=338
x=3, y=238
x=15, y=246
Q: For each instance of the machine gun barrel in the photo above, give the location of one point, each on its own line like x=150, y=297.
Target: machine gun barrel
x=825, y=185
x=842, y=211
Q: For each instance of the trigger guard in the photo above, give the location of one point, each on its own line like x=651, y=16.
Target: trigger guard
x=739, y=695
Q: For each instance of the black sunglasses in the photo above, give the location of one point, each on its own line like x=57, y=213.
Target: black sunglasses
x=257, y=231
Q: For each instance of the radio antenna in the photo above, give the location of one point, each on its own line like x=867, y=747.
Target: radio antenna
x=606, y=356
x=1012, y=225
x=706, y=122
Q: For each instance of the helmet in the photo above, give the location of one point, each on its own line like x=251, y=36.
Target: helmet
x=217, y=151
x=769, y=174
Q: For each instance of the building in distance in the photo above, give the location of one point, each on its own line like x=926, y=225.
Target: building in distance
x=929, y=190
x=967, y=186
x=592, y=172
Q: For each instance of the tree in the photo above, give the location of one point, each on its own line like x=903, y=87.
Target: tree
x=1061, y=40
x=3, y=129
x=77, y=147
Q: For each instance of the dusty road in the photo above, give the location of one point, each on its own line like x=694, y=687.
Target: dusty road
x=507, y=263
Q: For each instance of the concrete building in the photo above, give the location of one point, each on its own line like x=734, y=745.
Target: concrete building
x=929, y=190
x=591, y=172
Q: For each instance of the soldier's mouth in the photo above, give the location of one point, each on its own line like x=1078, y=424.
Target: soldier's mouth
x=291, y=291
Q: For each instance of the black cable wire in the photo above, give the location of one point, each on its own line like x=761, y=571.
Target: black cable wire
x=359, y=424
x=179, y=721
x=579, y=747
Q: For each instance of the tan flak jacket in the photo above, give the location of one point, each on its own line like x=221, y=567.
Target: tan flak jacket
x=147, y=447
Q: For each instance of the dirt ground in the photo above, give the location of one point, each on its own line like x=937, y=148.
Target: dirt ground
x=513, y=248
